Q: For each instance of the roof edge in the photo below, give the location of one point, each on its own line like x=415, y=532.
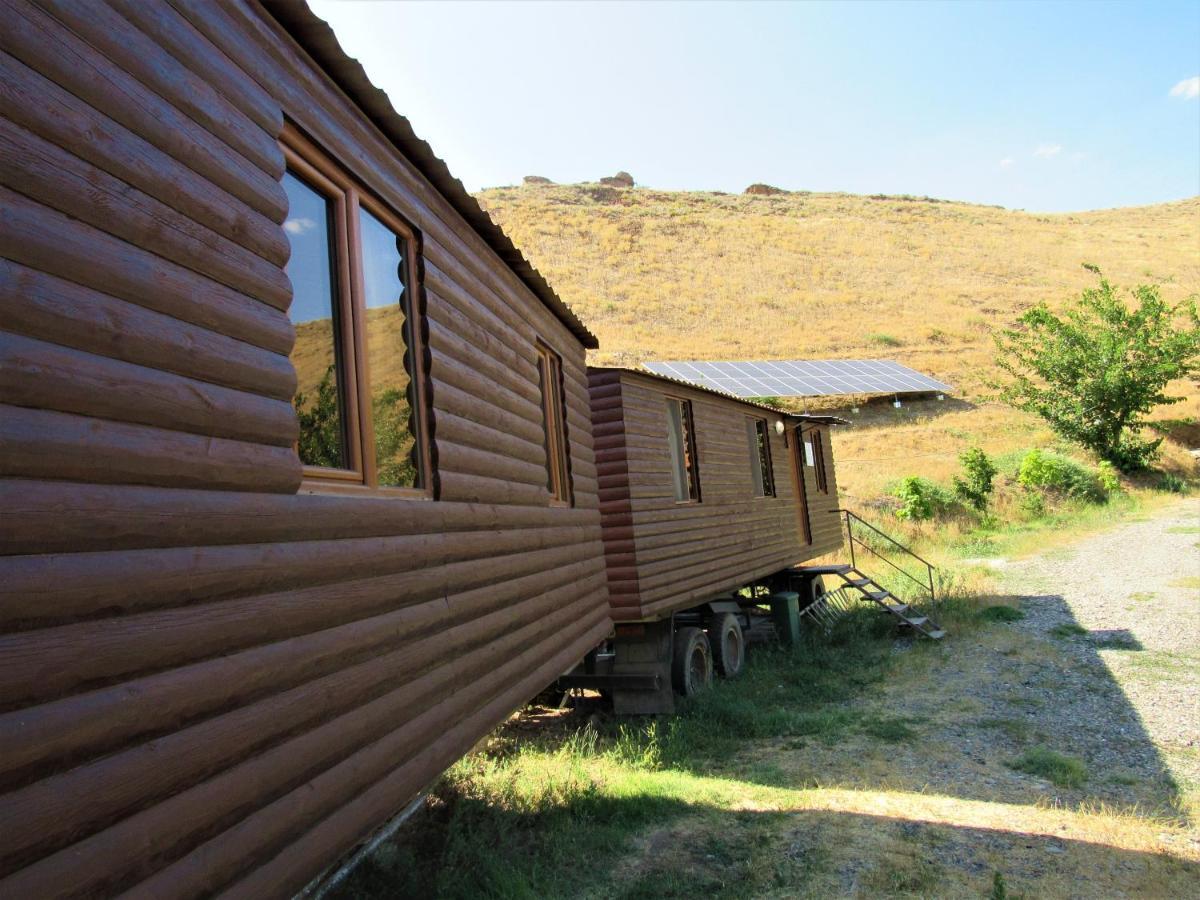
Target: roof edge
x=318, y=40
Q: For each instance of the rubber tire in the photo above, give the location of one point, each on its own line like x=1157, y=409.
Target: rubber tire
x=728, y=645
x=691, y=661
x=812, y=590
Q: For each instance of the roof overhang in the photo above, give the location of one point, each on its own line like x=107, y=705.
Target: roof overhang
x=316, y=38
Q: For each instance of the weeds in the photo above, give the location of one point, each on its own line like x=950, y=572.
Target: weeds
x=1001, y=614
x=1067, y=630
x=1063, y=771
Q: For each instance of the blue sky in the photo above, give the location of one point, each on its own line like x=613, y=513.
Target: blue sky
x=1040, y=106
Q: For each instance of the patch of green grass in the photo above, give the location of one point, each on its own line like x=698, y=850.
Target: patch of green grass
x=1001, y=614
x=1142, y=596
x=1015, y=729
x=1064, y=771
x=1188, y=581
x=904, y=875
x=1184, y=529
x=884, y=340
x=1127, y=780
x=892, y=730
x=1068, y=630
x=1117, y=641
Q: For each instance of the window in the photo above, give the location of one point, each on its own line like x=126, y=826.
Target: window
x=818, y=461
x=681, y=435
x=353, y=268
x=558, y=462
x=762, y=475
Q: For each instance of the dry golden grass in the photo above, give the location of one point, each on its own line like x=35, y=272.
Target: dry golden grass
x=679, y=275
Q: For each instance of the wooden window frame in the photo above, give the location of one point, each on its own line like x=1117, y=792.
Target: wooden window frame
x=323, y=174
x=692, y=470
x=766, y=464
x=818, y=445
x=560, y=483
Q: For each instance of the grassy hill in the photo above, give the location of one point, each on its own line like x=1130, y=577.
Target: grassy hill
x=671, y=275
x=661, y=275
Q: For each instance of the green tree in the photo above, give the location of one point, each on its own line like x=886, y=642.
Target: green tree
x=1094, y=372
x=974, y=487
x=321, y=441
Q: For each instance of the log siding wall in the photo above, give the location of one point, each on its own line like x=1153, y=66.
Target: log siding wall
x=212, y=678
x=663, y=555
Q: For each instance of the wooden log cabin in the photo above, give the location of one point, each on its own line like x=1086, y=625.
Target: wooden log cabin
x=701, y=494
x=298, y=489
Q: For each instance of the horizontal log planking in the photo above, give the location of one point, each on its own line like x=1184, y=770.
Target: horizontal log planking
x=214, y=675
x=663, y=555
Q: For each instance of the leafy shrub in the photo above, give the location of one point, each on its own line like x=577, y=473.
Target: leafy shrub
x=921, y=499
x=975, y=486
x=1172, y=483
x=1059, y=475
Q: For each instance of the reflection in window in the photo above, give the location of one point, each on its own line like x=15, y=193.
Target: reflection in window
x=758, y=440
x=682, y=441
x=385, y=274
x=314, y=312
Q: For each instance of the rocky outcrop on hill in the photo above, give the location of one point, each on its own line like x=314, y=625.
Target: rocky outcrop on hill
x=765, y=190
x=621, y=179
x=537, y=179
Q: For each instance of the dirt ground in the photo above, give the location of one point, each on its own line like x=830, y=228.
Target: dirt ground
x=1103, y=668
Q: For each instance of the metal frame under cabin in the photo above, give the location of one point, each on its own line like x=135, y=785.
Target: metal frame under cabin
x=246, y=667
x=664, y=556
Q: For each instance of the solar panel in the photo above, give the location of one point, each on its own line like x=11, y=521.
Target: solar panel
x=803, y=378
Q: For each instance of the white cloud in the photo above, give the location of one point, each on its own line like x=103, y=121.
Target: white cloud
x=1006, y=162
x=1048, y=151
x=299, y=226
x=1188, y=89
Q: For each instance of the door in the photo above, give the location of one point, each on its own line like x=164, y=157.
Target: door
x=796, y=443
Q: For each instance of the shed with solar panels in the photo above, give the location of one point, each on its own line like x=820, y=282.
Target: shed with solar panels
x=805, y=378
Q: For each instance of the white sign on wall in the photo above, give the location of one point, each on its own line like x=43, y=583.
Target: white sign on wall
x=808, y=454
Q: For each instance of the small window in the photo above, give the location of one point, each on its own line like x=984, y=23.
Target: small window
x=681, y=435
x=558, y=467
x=759, y=442
x=818, y=451
x=352, y=267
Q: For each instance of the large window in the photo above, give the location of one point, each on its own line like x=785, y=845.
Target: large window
x=681, y=436
x=761, y=474
x=359, y=384
x=558, y=462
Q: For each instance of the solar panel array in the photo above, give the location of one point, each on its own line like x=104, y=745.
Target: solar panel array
x=803, y=378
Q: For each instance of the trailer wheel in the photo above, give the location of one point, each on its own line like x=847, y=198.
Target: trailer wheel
x=728, y=644
x=813, y=590
x=691, y=661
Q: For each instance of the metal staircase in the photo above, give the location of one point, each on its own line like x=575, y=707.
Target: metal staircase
x=826, y=610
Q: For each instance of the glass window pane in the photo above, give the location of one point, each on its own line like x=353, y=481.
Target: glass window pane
x=385, y=276
x=756, y=479
x=676, y=438
x=316, y=357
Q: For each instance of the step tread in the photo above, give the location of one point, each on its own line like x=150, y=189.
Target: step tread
x=898, y=609
x=936, y=635
x=917, y=621
x=836, y=569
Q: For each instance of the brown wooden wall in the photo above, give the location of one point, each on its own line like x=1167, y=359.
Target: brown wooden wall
x=211, y=678
x=663, y=555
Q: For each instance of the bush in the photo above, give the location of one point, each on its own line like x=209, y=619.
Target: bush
x=975, y=486
x=1059, y=475
x=921, y=499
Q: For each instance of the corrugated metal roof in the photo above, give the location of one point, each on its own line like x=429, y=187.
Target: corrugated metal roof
x=655, y=376
x=316, y=37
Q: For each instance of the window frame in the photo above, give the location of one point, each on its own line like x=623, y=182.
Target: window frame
x=692, y=471
x=324, y=175
x=762, y=453
x=560, y=484
x=818, y=445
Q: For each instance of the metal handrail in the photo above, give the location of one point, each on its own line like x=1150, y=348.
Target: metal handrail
x=852, y=517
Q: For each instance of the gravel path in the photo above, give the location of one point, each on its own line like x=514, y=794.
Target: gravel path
x=1123, y=608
